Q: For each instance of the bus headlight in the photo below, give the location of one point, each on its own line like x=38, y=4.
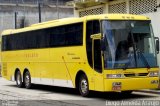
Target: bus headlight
x=154, y=74
x=114, y=76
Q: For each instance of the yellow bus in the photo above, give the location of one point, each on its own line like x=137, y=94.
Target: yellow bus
x=105, y=53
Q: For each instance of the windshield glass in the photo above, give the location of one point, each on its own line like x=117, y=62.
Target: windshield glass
x=128, y=44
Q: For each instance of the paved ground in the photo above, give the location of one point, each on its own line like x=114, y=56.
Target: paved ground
x=40, y=95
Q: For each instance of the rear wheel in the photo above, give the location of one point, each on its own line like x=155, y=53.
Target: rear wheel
x=83, y=85
x=19, y=82
x=27, y=80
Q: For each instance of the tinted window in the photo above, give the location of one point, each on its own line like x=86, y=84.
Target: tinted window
x=67, y=35
x=93, y=27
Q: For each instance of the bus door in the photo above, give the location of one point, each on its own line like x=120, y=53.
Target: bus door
x=97, y=61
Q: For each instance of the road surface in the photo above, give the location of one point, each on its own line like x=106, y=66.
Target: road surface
x=42, y=95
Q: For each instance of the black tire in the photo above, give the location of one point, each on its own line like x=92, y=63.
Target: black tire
x=83, y=86
x=19, y=82
x=27, y=80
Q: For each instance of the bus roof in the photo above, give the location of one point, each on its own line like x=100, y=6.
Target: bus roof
x=66, y=21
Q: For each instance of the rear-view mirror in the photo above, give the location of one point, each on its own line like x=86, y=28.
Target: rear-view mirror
x=157, y=44
x=96, y=36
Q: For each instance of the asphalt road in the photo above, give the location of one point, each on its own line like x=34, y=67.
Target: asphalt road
x=42, y=95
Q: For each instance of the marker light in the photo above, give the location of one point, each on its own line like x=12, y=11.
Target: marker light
x=154, y=74
x=114, y=76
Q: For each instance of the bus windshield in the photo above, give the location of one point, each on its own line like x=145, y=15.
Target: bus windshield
x=128, y=44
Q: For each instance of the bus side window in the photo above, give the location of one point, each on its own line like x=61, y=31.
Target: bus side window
x=93, y=27
x=97, y=55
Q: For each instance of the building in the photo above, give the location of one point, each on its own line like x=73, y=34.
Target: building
x=27, y=12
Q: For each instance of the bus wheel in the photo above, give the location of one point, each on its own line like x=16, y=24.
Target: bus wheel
x=27, y=80
x=19, y=82
x=83, y=86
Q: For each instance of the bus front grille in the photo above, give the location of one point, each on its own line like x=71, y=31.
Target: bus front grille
x=143, y=74
x=129, y=75
x=136, y=75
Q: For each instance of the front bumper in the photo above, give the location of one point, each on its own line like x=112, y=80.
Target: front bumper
x=131, y=84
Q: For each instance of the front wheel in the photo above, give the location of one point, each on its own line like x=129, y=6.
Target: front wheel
x=83, y=86
x=27, y=80
x=19, y=82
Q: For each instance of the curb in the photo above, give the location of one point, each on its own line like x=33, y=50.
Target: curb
x=150, y=91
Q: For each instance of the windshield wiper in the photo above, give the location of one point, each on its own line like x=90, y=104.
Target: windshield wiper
x=143, y=58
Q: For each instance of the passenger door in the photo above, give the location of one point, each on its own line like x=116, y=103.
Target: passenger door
x=93, y=47
x=97, y=64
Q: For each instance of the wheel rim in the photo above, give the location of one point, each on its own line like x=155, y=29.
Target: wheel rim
x=27, y=80
x=84, y=86
x=18, y=79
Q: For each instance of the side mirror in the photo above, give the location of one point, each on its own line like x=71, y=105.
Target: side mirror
x=96, y=36
x=157, y=44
